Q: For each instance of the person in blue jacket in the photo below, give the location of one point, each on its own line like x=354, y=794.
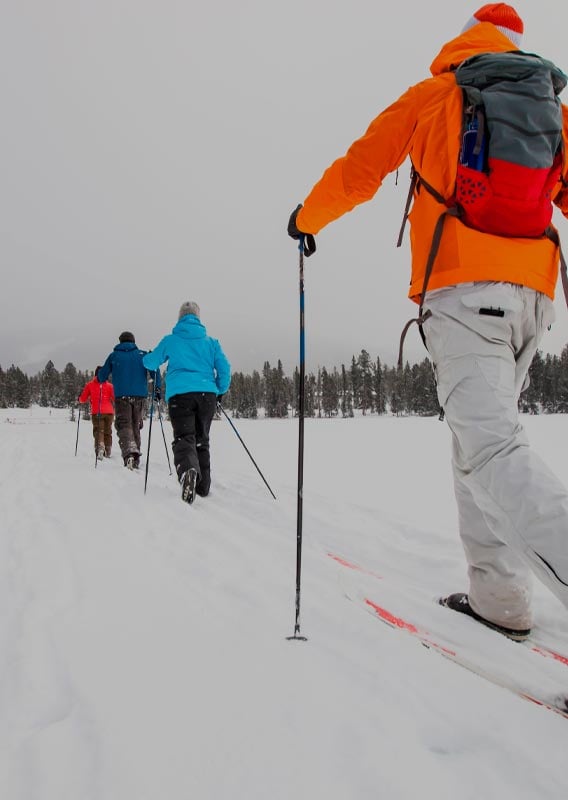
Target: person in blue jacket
x=198, y=373
x=130, y=381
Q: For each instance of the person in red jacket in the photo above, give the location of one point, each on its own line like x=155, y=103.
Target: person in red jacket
x=101, y=396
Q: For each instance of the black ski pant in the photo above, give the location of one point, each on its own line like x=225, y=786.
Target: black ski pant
x=191, y=414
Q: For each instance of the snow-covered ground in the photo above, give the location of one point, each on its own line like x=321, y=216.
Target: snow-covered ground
x=143, y=650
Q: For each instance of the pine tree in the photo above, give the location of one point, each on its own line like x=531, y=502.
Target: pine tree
x=250, y=402
x=355, y=376
x=318, y=393
x=256, y=389
x=309, y=394
x=247, y=405
x=35, y=384
x=329, y=396
x=422, y=398
x=530, y=400
x=405, y=391
x=296, y=393
x=346, y=397
x=277, y=391
x=17, y=388
x=396, y=392
x=550, y=384
x=310, y=400
x=336, y=378
x=366, y=382
x=266, y=379
x=70, y=385
x=232, y=397
x=51, y=391
x=378, y=387
x=283, y=391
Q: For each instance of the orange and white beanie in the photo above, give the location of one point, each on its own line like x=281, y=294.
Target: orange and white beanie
x=505, y=19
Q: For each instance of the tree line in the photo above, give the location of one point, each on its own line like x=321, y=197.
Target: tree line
x=370, y=387
x=365, y=386
x=48, y=388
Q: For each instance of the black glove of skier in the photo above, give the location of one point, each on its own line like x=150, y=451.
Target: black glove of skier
x=296, y=233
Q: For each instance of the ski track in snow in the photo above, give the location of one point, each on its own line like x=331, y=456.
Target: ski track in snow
x=143, y=641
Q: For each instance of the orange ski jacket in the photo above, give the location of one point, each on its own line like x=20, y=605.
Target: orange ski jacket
x=99, y=392
x=425, y=124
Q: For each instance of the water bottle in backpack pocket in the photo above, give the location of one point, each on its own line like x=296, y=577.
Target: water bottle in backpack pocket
x=473, y=142
x=472, y=178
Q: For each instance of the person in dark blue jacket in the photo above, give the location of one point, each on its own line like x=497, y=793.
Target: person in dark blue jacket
x=198, y=373
x=130, y=381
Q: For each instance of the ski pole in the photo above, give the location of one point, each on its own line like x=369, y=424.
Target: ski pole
x=149, y=436
x=164, y=436
x=78, y=421
x=301, y=407
x=98, y=425
x=230, y=421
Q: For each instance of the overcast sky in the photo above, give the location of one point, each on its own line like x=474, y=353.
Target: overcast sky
x=152, y=151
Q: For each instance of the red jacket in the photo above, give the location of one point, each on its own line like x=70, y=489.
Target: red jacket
x=99, y=392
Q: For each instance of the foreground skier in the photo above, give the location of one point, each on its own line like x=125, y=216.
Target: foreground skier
x=485, y=300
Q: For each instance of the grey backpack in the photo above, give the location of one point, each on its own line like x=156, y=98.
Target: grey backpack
x=511, y=155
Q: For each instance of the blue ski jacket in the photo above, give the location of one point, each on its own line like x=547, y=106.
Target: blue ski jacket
x=129, y=375
x=196, y=361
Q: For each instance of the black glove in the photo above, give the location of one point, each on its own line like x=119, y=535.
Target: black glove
x=220, y=397
x=157, y=394
x=296, y=233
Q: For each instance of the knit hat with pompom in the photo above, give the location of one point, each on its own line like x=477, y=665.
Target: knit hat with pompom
x=505, y=19
x=189, y=307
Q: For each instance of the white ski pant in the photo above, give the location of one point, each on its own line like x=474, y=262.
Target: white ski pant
x=513, y=510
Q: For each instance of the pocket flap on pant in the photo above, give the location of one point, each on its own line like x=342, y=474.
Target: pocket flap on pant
x=497, y=296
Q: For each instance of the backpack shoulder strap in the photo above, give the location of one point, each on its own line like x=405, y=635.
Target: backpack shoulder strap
x=416, y=181
x=452, y=211
x=411, y=188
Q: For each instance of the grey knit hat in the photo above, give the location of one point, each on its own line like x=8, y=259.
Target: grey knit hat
x=126, y=336
x=189, y=307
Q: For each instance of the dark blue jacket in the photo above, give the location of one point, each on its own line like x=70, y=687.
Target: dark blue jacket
x=129, y=375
